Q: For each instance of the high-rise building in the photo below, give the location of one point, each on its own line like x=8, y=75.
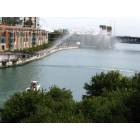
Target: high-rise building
x=11, y=21
x=32, y=22
x=18, y=38
x=21, y=32
x=0, y=20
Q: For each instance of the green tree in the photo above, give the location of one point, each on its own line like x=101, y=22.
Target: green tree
x=59, y=107
x=111, y=97
x=134, y=105
x=136, y=81
x=110, y=81
x=21, y=105
x=109, y=108
x=56, y=105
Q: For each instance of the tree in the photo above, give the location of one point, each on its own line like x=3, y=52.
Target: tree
x=21, y=105
x=134, y=104
x=110, y=81
x=111, y=97
x=136, y=81
x=109, y=108
x=56, y=105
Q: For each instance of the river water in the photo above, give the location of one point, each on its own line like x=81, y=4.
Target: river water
x=70, y=69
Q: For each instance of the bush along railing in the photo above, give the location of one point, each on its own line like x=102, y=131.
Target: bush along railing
x=35, y=48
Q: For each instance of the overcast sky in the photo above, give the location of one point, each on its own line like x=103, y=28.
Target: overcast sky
x=121, y=26
x=125, y=14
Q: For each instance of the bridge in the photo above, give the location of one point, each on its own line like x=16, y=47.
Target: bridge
x=128, y=39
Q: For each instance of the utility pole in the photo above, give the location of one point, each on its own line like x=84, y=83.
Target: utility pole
x=114, y=28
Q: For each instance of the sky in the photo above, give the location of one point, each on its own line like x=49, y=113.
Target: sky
x=121, y=26
x=125, y=14
x=71, y=8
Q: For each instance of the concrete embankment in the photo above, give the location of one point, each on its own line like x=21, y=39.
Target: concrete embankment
x=37, y=56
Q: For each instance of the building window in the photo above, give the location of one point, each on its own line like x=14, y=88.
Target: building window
x=3, y=40
x=3, y=47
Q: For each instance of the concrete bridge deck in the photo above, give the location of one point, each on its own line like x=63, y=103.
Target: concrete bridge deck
x=128, y=39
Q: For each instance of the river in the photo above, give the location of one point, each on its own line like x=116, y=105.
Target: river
x=70, y=69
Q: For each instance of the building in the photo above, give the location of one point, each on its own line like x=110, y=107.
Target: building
x=0, y=20
x=18, y=38
x=21, y=32
x=105, y=29
x=32, y=22
x=11, y=21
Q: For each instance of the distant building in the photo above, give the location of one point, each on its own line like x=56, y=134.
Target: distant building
x=18, y=38
x=0, y=20
x=32, y=22
x=11, y=21
x=21, y=32
x=105, y=29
